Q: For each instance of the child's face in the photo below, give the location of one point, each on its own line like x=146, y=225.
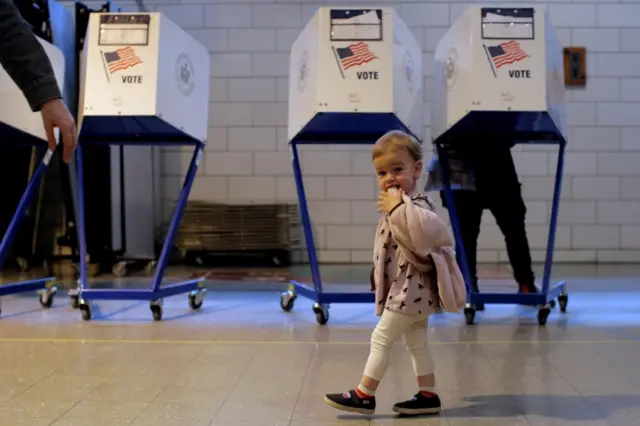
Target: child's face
x=396, y=168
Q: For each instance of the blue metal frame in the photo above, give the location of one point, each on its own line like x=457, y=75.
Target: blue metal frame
x=334, y=129
x=10, y=234
x=546, y=294
x=316, y=293
x=155, y=292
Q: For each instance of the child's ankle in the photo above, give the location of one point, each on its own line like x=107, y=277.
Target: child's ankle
x=364, y=393
x=428, y=391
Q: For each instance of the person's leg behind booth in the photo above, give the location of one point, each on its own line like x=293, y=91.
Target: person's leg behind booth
x=500, y=187
x=510, y=217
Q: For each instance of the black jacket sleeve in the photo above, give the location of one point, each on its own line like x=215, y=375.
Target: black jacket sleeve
x=24, y=58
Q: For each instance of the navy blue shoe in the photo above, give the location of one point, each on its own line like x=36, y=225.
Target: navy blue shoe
x=351, y=402
x=419, y=405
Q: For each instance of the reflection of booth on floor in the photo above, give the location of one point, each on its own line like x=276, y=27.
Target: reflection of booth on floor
x=20, y=126
x=354, y=75
x=144, y=82
x=499, y=76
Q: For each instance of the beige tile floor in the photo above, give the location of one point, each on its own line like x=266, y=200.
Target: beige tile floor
x=241, y=361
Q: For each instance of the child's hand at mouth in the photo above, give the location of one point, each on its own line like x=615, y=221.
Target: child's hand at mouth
x=387, y=201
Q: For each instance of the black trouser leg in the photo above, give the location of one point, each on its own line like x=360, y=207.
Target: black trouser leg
x=501, y=189
x=469, y=210
x=510, y=217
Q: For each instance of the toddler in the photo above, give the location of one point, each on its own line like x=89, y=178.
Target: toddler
x=414, y=275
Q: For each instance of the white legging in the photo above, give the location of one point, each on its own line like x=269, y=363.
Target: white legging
x=392, y=325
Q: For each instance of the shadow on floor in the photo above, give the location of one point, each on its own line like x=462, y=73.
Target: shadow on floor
x=564, y=407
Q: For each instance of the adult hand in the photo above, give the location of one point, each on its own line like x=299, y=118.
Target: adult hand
x=55, y=114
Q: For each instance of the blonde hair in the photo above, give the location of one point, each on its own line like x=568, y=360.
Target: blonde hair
x=395, y=140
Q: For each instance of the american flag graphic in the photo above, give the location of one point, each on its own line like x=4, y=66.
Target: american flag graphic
x=355, y=55
x=121, y=59
x=506, y=53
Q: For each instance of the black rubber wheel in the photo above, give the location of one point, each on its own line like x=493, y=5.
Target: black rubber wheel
x=85, y=311
x=156, y=311
x=322, y=317
x=194, y=303
x=286, y=302
x=75, y=301
x=563, y=300
x=543, y=314
x=46, y=299
x=469, y=315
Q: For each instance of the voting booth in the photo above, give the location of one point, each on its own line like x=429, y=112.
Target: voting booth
x=20, y=125
x=144, y=81
x=354, y=75
x=118, y=240
x=498, y=76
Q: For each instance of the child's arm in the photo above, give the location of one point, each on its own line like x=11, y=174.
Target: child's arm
x=418, y=229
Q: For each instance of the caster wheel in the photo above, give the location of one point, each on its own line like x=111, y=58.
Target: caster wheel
x=469, y=315
x=322, y=313
x=563, y=300
x=150, y=269
x=287, y=300
x=543, y=314
x=85, y=310
x=119, y=270
x=156, y=311
x=46, y=297
x=75, y=301
x=196, y=298
x=552, y=304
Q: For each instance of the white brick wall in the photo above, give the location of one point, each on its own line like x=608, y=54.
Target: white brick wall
x=247, y=158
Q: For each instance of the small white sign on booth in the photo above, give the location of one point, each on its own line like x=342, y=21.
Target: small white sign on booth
x=144, y=65
x=15, y=110
x=498, y=59
x=349, y=60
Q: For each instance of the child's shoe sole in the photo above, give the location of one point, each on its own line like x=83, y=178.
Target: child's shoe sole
x=416, y=412
x=347, y=408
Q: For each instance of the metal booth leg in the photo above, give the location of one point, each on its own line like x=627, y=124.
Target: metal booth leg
x=174, y=225
x=453, y=217
x=156, y=293
x=288, y=298
x=553, y=220
x=44, y=285
x=24, y=203
x=469, y=310
x=560, y=288
x=76, y=295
